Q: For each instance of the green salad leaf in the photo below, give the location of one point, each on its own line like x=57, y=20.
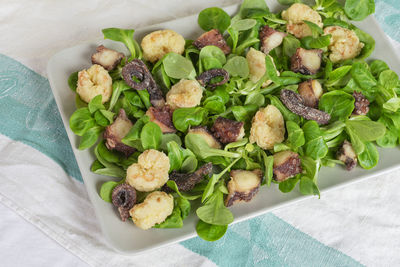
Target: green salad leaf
x=338, y=104
x=210, y=232
x=125, y=36
x=366, y=130
x=369, y=157
x=214, y=18
x=178, y=67
x=295, y=135
x=183, y=118
x=106, y=190
x=150, y=136
x=73, y=81
x=359, y=9
x=81, y=121
x=214, y=211
x=237, y=66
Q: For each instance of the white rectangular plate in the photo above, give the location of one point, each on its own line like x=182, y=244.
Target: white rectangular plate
x=128, y=239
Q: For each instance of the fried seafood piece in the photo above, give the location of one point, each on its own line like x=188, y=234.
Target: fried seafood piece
x=307, y=62
x=162, y=116
x=295, y=16
x=136, y=68
x=311, y=91
x=107, y=58
x=347, y=155
x=270, y=38
x=268, y=127
x=243, y=186
x=203, y=132
x=256, y=61
x=228, y=131
x=123, y=197
x=150, y=172
x=361, y=104
x=212, y=37
x=286, y=165
x=159, y=43
x=345, y=44
x=295, y=103
x=184, y=94
x=114, y=133
x=93, y=82
x=156, y=207
x=187, y=181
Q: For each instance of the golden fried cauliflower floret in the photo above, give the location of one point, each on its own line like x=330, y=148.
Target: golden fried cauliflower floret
x=344, y=43
x=268, y=127
x=156, y=207
x=184, y=94
x=94, y=81
x=295, y=16
x=156, y=44
x=256, y=61
x=150, y=172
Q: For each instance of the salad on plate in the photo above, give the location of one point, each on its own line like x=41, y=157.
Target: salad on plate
x=258, y=99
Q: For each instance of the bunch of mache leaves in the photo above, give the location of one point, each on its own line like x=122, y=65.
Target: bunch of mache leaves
x=239, y=99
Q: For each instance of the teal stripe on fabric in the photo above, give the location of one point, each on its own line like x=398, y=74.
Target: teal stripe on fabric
x=268, y=241
x=388, y=16
x=29, y=114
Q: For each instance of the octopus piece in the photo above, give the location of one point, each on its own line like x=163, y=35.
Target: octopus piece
x=93, y=82
x=107, y=58
x=184, y=94
x=159, y=43
x=123, y=197
x=344, y=43
x=361, y=104
x=307, y=62
x=295, y=16
x=150, y=172
x=213, y=37
x=347, y=155
x=311, y=91
x=162, y=116
x=155, y=208
x=137, y=68
x=256, y=61
x=114, y=133
x=286, y=165
x=270, y=38
x=187, y=181
x=203, y=132
x=228, y=131
x=206, y=77
x=243, y=186
x=295, y=103
x=268, y=127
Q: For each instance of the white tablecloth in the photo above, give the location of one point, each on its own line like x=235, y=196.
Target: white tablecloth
x=361, y=222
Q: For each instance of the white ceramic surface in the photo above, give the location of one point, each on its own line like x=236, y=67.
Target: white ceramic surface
x=128, y=239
